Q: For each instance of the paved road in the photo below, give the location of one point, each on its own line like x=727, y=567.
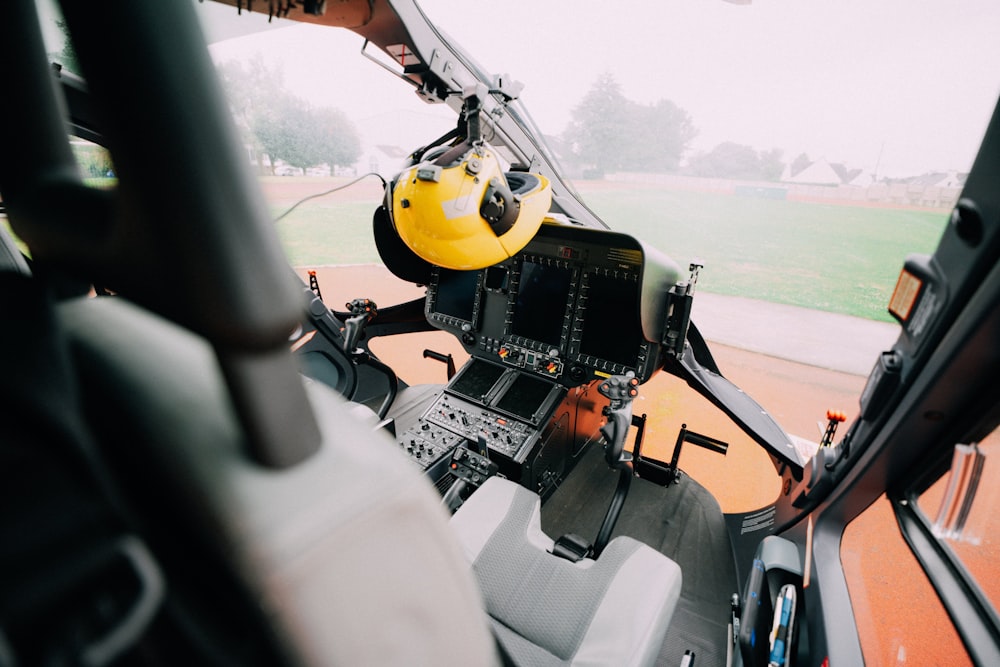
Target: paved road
x=827, y=340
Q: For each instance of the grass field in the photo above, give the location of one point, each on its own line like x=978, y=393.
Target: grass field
x=838, y=258
x=832, y=257
x=341, y=233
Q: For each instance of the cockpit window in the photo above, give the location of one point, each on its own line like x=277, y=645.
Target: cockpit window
x=310, y=130
x=784, y=146
x=56, y=36
x=800, y=150
x=961, y=508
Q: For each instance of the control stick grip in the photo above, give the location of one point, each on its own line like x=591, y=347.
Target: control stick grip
x=618, y=423
x=452, y=499
x=353, y=328
x=619, y=390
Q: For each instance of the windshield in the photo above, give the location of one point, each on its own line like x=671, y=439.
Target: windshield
x=799, y=151
x=880, y=88
x=839, y=131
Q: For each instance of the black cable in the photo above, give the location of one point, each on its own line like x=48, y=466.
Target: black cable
x=339, y=187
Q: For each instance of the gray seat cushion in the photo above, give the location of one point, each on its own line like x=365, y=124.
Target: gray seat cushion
x=547, y=610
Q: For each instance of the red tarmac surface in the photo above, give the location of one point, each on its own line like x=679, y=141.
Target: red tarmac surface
x=899, y=617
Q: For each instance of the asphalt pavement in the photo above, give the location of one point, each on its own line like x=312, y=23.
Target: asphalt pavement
x=826, y=340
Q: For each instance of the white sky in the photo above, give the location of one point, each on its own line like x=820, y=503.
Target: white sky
x=840, y=79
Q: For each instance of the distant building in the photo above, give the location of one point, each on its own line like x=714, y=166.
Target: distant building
x=822, y=172
x=939, y=179
x=861, y=179
x=816, y=173
x=819, y=172
x=399, y=132
x=846, y=175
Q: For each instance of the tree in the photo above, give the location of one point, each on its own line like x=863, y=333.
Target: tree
x=597, y=133
x=250, y=85
x=251, y=88
x=276, y=128
x=67, y=55
x=282, y=126
x=732, y=160
x=771, y=166
x=335, y=136
x=610, y=132
x=661, y=134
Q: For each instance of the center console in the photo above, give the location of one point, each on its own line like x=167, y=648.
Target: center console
x=576, y=306
x=520, y=419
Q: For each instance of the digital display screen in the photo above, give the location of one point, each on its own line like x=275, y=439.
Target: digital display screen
x=477, y=379
x=456, y=294
x=541, y=302
x=611, y=328
x=496, y=278
x=525, y=396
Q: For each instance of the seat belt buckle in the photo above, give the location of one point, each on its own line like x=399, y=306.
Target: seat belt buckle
x=572, y=547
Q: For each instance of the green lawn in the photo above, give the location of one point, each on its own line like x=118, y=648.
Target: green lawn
x=337, y=233
x=838, y=258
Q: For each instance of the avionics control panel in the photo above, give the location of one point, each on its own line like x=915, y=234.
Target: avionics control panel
x=502, y=434
x=506, y=409
x=576, y=304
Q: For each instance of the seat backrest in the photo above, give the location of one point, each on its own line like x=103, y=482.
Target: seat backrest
x=277, y=520
x=61, y=531
x=334, y=550
x=186, y=231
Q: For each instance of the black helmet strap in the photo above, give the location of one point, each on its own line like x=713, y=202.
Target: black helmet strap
x=499, y=206
x=453, y=155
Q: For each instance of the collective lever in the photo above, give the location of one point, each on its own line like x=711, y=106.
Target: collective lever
x=619, y=390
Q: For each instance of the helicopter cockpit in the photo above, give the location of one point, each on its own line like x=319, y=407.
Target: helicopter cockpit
x=274, y=487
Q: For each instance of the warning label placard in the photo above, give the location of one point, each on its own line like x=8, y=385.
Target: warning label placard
x=905, y=295
x=759, y=520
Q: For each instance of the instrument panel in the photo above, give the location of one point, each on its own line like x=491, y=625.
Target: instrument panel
x=575, y=305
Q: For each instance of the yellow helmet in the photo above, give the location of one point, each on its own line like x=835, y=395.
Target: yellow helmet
x=460, y=211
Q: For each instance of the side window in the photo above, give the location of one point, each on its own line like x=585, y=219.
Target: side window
x=96, y=169
x=899, y=617
x=95, y=163
x=963, y=508
x=323, y=154
x=884, y=576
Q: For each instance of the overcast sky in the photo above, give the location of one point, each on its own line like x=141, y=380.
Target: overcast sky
x=910, y=84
